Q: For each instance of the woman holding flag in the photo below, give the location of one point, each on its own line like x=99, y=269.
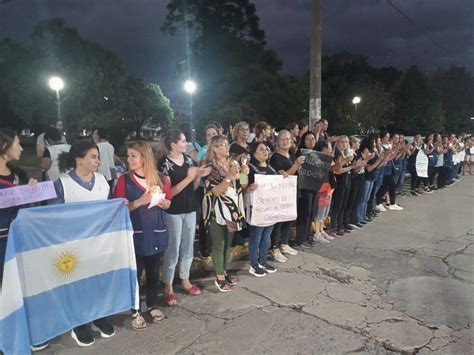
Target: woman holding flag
x=148, y=195
x=82, y=183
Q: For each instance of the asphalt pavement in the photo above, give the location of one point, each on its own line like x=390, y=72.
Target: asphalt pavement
x=403, y=284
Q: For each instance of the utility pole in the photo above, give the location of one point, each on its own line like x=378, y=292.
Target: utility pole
x=315, y=64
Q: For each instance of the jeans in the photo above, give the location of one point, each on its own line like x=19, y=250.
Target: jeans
x=367, y=187
x=401, y=178
x=221, y=246
x=453, y=173
x=181, y=230
x=259, y=242
x=377, y=183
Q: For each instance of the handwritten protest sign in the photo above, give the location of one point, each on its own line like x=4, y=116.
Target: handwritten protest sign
x=421, y=164
x=23, y=194
x=315, y=170
x=273, y=201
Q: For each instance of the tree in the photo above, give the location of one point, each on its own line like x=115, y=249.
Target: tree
x=346, y=75
x=229, y=58
x=97, y=92
x=145, y=102
x=419, y=106
x=456, y=86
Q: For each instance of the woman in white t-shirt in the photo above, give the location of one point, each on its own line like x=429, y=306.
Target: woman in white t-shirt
x=107, y=154
x=83, y=183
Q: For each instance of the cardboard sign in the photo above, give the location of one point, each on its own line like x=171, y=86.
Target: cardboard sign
x=315, y=170
x=421, y=164
x=24, y=194
x=273, y=201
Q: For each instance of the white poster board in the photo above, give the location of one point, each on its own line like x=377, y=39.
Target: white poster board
x=24, y=194
x=421, y=164
x=273, y=201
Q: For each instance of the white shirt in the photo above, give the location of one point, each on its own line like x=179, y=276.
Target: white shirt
x=41, y=140
x=73, y=192
x=106, y=151
x=54, y=152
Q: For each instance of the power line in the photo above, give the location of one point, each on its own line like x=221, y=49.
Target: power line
x=413, y=23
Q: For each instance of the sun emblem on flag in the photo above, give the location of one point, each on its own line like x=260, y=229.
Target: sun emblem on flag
x=66, y=263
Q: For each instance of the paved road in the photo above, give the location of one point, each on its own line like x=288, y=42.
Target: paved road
x=404, y=284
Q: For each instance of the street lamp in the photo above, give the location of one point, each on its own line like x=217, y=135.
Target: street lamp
x=57, y=84
x=356, y=101
x=190, y=86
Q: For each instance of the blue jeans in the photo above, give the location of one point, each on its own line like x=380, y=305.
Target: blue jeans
x=377, y=184
x=259, y=242
x=181, y=231
x=364, y=200
x=401, y=177
x=453, y=173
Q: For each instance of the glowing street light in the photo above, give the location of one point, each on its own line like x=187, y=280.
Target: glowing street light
x=57, y=84
x=356, y=101
x=190, y=86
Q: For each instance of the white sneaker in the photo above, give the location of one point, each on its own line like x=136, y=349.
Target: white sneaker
x=353, y=226
x=278, y=256
x=326, y=236
x=395, y=207
x=380, y=208
x=286, y=249
x=319, y=238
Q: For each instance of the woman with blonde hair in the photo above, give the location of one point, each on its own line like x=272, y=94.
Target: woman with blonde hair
x=148, y=195
x=343, y=158
x=286, y=164
x=223, y=207
x=239, y=148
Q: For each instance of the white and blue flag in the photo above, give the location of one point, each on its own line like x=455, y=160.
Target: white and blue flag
x=65, y=265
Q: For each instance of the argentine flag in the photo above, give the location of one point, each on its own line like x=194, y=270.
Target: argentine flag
x=65, y=265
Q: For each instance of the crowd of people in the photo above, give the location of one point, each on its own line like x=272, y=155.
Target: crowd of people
x=204, y=187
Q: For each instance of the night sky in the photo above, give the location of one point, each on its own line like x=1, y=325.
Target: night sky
x=437, y=33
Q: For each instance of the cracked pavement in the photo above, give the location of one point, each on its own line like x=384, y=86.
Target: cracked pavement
x=404, y=284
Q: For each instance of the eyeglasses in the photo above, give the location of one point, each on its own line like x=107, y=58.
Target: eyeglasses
x=223, y=145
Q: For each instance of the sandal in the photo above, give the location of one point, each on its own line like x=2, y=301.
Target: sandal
x=223, y=285
x=171, y=299
x=231, y=280
x=138, y=322
x=155, y=314
x=193, y=290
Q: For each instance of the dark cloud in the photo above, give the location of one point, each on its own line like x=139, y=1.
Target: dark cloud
x=440, y=34
x=131, y=28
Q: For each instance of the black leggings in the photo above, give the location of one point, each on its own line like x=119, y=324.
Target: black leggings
x=443, y=176
x=387, y=185
x=432, y=170
x=416, y=181
x=339, y=199
x=354, y=198
x=151, y=264
x=281, y=233
x=306, y=208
